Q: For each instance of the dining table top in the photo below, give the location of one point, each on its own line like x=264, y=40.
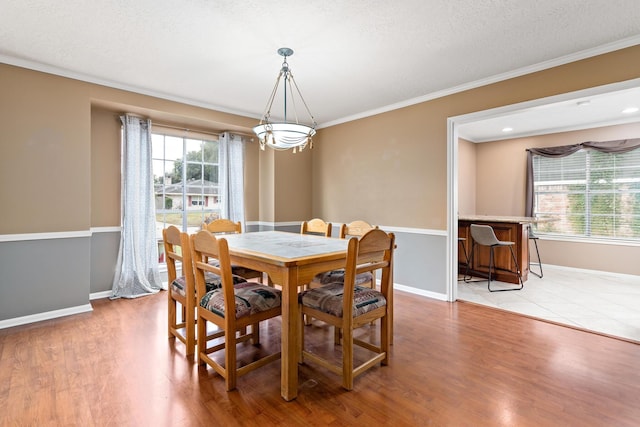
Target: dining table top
x=285, y=247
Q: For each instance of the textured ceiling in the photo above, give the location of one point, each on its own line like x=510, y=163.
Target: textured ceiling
x=351, y=57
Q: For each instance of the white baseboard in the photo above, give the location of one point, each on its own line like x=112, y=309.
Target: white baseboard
x=421, y=292
x=416, y=291
x=17, y=321
x=100, y=295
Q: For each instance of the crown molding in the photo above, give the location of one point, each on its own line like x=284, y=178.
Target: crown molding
x=577, y=56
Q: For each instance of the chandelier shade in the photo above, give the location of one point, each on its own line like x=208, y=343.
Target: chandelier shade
x=283, y=135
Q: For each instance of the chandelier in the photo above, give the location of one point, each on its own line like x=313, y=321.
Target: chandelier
x=286, y=134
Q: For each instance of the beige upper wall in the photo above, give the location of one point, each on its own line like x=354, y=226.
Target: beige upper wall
x=466, y=177
x=391, y=168
x=292, y=179
x=375, y=169
x=45, y=155
x=105, y=168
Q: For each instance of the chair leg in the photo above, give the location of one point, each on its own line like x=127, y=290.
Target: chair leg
x=171, y=313
x=230, y=353
x=464, y=251
x=466, y=277
x=515, y=261
x=201, y=336
x=490, y=268
x=466, y=256
x=539, y=263
x=255, y=333
x=347, y=358
x=190, y=335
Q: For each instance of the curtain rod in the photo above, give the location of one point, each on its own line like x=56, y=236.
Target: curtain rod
x=208, y=132
x=183, y=128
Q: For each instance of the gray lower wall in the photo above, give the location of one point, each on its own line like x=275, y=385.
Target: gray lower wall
x=39, y=276
x=421, y=262
x=104, y=255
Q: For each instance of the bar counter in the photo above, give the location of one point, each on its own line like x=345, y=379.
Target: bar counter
x=509, y=228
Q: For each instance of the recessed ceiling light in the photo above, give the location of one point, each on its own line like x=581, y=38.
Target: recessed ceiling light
x=630, y=110
x=584, y=103
x=507, y=129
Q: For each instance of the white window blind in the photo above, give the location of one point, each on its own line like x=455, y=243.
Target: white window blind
x=589, y=194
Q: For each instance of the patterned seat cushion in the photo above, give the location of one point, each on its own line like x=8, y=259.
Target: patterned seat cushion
x=212, y=281
x=328, y=299
x=337, y=276
x=251, y=298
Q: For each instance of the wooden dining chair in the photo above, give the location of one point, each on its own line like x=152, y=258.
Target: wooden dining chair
x=181, y=290
x=357, y=229
x=223, y=226
x=316, y=226
x=231, y=308
x=348, y=307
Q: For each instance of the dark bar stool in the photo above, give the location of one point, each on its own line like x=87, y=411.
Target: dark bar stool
x=533, y=237
x=483, y=235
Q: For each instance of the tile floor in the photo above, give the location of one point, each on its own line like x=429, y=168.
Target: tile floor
x=602, y=302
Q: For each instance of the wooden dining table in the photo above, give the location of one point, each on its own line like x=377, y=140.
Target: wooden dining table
x=291, y=260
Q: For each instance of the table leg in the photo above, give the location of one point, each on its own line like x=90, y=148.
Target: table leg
x=289, y=357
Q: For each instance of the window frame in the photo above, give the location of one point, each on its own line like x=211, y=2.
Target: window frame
x=620, y=189
x=186, y=210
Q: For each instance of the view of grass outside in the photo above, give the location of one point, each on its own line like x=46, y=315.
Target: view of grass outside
x=194, y=219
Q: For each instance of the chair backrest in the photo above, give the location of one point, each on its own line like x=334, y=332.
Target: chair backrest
x=484, y=235
x=176, y=248
x=222, y=226
x=356, y=228
x=205, y=246
x=369, y=253
x=316, y=226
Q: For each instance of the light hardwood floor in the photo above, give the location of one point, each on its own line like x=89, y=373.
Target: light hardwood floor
x=452, y=364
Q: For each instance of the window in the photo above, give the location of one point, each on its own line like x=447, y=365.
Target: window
x=589, y=194
x=185, y=174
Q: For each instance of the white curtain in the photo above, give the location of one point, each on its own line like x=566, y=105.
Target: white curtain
x=231, y=177
x=137, y=271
